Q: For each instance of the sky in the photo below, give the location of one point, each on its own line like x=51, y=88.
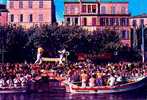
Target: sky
x=136, y=7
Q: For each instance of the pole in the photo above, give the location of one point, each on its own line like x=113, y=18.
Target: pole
x=3, y=53
x=2, y=48
x=142, y=45
x=134, y=34
x=135, y=38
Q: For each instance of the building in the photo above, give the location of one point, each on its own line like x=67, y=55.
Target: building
x=136, y=22
x=3, y=15
x=99, y=14
x=31, y=12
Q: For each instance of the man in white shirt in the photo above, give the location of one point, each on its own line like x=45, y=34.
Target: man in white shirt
x=111, y=80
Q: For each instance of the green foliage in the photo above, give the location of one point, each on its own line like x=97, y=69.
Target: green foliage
x=21, y=43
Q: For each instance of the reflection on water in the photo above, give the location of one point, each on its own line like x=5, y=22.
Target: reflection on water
x=50, y=96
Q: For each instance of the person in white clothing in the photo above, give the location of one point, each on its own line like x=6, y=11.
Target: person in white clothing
x=111, y=80
x=92, y=82
x=84, y=78
x=2, y=82
x=23, y=81
x=39, y=55
x=62, y=53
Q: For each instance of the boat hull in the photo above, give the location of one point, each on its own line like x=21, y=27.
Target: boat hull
x=13, y=90
x=106, y=89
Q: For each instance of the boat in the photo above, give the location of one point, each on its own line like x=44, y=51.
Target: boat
x=4, y=90
x=72, y=88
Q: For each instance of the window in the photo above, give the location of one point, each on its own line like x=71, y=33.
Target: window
x=21, y=18
x=134, y=23
x=12, y=18
x=122, y=21
x=107, y=21
x=89, y=8
x=123, y=10
x=30, y=18
x=40, y=17
x=83, y=8
x=103, y=10
x=11, y=4
x=85, y=21
x=117, y=21
x=72, y=9
x=93, y=21
x=20, y=4
x=102, y=21
x=68, y=20
x=0, y=14
x=112, y=21
x=40, y=3
x=67, y=10
x=93, y=8
x=141, y=21
x=76, y=21
x=124, y=34
x=127, y=22
x=76, y=10
x=113, y=10
x=30, y=4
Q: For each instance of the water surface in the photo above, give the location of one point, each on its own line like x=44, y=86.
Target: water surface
x=135, y=95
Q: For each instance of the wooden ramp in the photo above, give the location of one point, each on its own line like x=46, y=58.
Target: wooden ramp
x=52, y=59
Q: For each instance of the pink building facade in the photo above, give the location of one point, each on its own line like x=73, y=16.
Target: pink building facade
x=99, y=15
x=137, y=20
x=3, y=15
x=30, y=12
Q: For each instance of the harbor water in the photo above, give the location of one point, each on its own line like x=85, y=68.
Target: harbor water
x=134, y=95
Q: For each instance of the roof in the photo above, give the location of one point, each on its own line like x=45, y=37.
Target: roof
x=104, y=1
x=114, y=1
x=89, y=0
x=140, y=16
x=71, y=0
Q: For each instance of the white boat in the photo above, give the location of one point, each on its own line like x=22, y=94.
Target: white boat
x=72, y=88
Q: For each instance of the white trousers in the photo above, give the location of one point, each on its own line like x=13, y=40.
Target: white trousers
x=83, y=83
x=39, y=60
x=61, y=57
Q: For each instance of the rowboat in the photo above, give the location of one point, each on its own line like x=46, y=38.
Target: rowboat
x=72, y=88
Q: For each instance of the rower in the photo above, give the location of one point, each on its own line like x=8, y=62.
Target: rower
x=84, y=78
x=99, y=81
x=9, y=82
x=23, y=81
x=111, y=80
x=2, y=82
x=119, y=79
x=92, y=81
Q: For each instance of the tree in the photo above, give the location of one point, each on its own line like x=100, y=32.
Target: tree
x=21, y=43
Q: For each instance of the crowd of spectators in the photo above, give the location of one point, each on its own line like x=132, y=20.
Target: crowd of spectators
x=83, y=73
x=89, y=74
